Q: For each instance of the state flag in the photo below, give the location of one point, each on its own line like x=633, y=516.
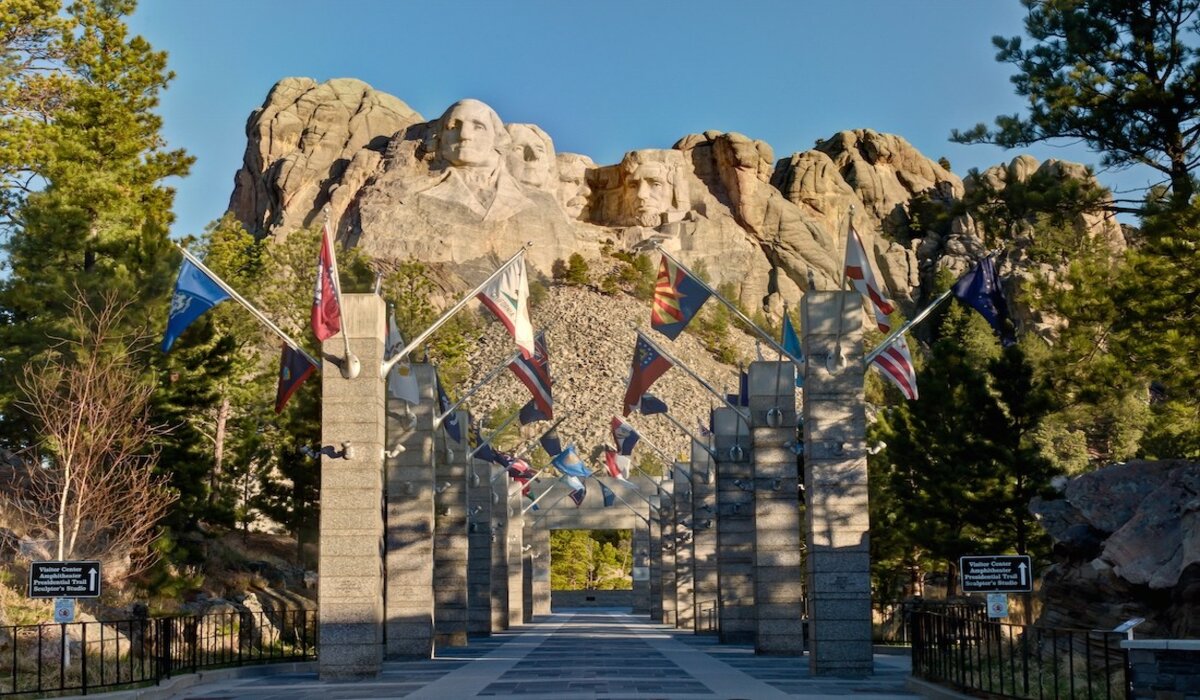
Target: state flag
x=550, y=443
x=401, y=383
x=624, y=436
x=742, y=398
x=617, y=464
x=677, y=297
x=648, y=366
x=791, y=345
x=294, y=368
x=195, y=293
x=569, y=463
x=651, y=404
x=858, y=271
x=895, y=364
x=577, y=494
x=450, y=423
x=326, y=307
x=610, y=498
x=507, y=295
x=981, y=289
x=534, y=373
x=482, y=450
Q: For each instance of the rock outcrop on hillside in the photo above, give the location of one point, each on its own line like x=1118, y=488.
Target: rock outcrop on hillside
x=1126, y=544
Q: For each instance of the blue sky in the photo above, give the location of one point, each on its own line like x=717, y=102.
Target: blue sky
x=601, y=78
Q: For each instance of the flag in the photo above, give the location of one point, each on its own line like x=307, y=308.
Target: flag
x=610, y=498
x=648, y=366
x=534, y=373
x=895, y=364
x=507, y=295
x=624, y=436
x=677, y=298
x=569, y=463
x=294, y=368
x=791, y=345
x=651, y=404
x=705, y=431
x=742, y=398
x=450, y=424
x=859, y=272
x=530, y=413
x=982, y=290
x=550, y=443
x=326, y=308
x=401, y=383
x=578, y=490
x=483, y=450
x=529, y=494
x=195, y=293
x=517, y=468
x=617, y=464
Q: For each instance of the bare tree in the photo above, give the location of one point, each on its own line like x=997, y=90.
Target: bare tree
x=94, y=482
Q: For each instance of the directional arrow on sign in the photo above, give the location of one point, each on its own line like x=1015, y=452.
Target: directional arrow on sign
x=1021, y=568
x=92, y=576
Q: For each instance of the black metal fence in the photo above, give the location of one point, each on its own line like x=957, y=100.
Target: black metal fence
x=979, y=656
x=890, y=623
x=88, y=656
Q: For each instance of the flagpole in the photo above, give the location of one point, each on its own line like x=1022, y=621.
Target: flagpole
x=693, y=375
x=547, y=491
x=249, y=307
x=387, y=365
x=870, y=357
x=471, y=392
x=672, y=461
x=736, y=311
x=495, y=432
x=521, y=452
x=351, y=368
x=689, y=433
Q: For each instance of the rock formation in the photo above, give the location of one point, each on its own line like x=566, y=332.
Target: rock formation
x=1126, y=544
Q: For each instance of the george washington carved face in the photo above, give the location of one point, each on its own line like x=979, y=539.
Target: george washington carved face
x=471, y=135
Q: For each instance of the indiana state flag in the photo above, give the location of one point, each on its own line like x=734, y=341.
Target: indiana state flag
x=677, y=298
x=569, y=463
x=195, y=293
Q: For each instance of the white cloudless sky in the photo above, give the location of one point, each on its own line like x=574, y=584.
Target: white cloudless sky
x=602, y=78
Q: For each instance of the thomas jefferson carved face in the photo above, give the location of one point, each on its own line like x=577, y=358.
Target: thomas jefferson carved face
x=531, y=158
x=468, y=136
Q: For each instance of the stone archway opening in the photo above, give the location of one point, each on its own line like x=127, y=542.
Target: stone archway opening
x=591, y=568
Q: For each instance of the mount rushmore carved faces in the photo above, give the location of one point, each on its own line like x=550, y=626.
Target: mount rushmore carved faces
x=531, y=157
x=655, y=191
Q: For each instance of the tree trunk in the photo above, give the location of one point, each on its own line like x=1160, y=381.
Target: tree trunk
x=218, y=450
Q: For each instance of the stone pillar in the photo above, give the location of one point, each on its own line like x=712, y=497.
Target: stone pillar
x=350, y=565
x=704, y=539
x=735, y=528
x=499, y=542
x=541, y=569
x=450, y=542
x=410, y=505
x=668, y=544
x=479, y=549
x=516, y=569
x=684, y=574
x=527, y=567
x=641, y=569
x=656, y=558
x=778, y=592
x=835, y=484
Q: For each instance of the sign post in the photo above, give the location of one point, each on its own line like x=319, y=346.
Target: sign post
x=996, y=574
x=64, y=579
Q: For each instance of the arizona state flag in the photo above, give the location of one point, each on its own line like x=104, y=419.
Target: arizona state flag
x=294, y=368
x=677, y=298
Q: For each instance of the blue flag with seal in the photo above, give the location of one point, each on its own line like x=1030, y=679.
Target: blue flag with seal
x=569, y=463
x=550, y=443
x=195, y=293
x=294, y=368
x=651, y=404
x=450, y=424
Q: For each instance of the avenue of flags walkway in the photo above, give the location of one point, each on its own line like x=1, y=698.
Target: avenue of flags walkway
x=576, y=653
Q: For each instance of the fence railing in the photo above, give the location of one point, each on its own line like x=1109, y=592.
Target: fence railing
x=86, y=656
x=706, y=617
x=1016, y=661
x=890, y=620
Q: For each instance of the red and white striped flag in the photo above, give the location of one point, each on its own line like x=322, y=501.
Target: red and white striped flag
x=326, y=308
x=895, y=364
x=858, y=271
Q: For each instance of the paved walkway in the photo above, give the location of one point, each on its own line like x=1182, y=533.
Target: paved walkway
x=579, y=654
